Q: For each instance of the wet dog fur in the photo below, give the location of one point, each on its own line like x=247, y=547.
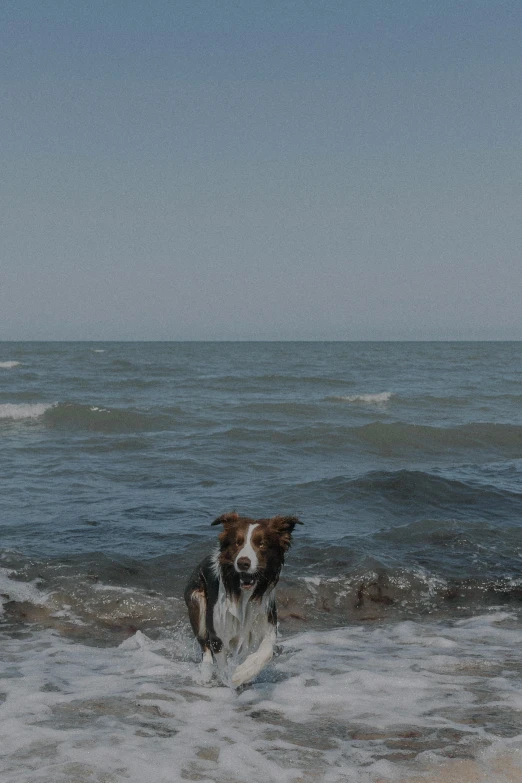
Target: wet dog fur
x=231, y=594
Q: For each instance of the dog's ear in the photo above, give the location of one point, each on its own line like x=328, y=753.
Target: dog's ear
x=226, y=519
x=284, y=527
x=287, y=523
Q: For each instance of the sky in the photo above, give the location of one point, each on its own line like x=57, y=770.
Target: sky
x=290, y=170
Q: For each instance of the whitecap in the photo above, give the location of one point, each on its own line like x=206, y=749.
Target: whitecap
x=9, y=365
x=369, y=399
x=18, y=411
x=14, y=590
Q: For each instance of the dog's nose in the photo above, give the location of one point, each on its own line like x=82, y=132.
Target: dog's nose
x=243, y=564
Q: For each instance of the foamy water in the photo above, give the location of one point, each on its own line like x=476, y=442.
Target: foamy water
x=355, y=704
x=19, y=591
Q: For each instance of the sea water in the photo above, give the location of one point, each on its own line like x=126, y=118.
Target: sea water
x=400, y=604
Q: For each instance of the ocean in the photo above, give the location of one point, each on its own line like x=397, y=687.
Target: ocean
x=400, y=635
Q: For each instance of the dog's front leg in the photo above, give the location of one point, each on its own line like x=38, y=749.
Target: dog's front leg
x=206, y=667
x=253, y=664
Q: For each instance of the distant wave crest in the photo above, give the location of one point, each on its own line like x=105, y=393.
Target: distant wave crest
x=368, y=399
x=19, y=411
x=9, y=365
x=76, y=416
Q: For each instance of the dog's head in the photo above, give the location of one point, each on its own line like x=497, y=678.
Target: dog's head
x=252, y=551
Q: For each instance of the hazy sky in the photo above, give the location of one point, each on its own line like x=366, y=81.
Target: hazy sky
x=180, y=169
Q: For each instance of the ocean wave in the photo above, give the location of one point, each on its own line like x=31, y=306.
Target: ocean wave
x=421, y=401
x=107, y=598
x=387, y=439
x=406, y=488
x=19, y=591
x=104, y=598
x=417, y=487
x=364, y=593
x=9, y=365
x=96, y=418
x=429, y=536
x=20, y=411
x=380, y=398
x=398, y=436
x=378, y=592
x=472, y=397
x=77, y=416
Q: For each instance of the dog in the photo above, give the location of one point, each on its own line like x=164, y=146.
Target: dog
x=231, y=595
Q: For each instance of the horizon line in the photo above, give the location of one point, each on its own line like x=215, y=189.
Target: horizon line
x=313, y=340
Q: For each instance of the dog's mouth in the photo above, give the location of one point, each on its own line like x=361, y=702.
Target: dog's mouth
x=247, y=581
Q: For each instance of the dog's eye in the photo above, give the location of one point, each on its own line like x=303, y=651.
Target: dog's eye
x=239, y=542
x=262, y=545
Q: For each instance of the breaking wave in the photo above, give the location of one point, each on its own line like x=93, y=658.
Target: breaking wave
x=95, y=418
x=368, y=399
x=9, y=365
x=18, y=591
x=100, y=419
x=19, y=411
x=109, y=599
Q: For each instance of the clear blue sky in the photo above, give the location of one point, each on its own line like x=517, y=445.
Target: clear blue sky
x=261, y=170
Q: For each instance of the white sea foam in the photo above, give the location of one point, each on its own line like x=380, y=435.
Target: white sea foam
x=17, y=411
x=15, y=590
x=9, y=365
x=368, y=399
x=336, y=706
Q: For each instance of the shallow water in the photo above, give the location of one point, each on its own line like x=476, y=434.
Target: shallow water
x=400, y=603
x=360, y=703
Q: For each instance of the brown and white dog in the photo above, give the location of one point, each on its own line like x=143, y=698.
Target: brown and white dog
x=231, y=594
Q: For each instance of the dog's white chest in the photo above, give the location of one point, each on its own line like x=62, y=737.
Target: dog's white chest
x=243, y=624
